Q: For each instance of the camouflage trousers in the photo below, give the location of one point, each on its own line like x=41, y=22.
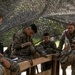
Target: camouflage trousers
x=1, y=70
x=14, y=68
x=70, y=61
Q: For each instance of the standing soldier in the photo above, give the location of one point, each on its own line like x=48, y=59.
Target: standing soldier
x=49, y=47
x=67, y=56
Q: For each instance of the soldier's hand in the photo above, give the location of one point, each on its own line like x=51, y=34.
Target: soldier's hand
x=43, y=54
x=29, y=43
x=57, y=54
x=32, y=49
x=66, y=48
x=26, y=44
x=73, y=45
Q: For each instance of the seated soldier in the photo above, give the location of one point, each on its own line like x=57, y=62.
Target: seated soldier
x=49, y=47
x=68, y=54
x=10, y=65
x=23, y=44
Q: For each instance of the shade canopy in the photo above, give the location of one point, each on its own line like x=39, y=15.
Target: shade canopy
x=20, y=12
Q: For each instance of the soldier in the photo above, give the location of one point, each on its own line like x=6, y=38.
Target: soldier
x=22, y=43
x=49, y=47
x=22, y=40
x=10, y=65
x=68, y=37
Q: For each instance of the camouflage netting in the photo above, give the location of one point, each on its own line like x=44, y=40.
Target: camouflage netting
x=21, y=12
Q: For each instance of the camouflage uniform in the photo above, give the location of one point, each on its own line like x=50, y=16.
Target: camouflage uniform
x=14, y=67
x=49, y=48
x=70, y=59
x=13, y=70
x=24, y=53
x=1, y=70
x=18, y=40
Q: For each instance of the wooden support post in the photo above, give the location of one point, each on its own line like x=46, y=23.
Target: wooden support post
x=33, y=71
x=48, y=72
x=55, y=66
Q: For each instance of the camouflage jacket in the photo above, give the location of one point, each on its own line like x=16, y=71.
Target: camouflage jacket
x=19, y=38
x=49, y=47
x=71, y=39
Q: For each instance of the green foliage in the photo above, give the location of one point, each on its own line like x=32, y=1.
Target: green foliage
x=43, y=24
x=6, y=38
x=46, y=25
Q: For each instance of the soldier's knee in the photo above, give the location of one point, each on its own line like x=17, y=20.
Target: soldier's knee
x=15, y=68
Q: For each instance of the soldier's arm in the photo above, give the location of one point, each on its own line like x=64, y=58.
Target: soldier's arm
x=17, y=43
x=4, y=62
x=61, y=43
x=40, y=50
x=53, y=45
x=41, y=44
